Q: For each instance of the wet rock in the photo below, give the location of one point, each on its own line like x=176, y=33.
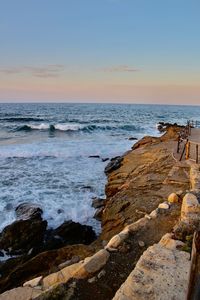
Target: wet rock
x=26, y=211
x=94, y=156
x=60, y=211
x=98, y=202
x=133, y=139
x=98, y=214
x=9, y=206
x=75, y=233
x=86, y=187
x=22, y=235
x=105, y=159
x=114, y=164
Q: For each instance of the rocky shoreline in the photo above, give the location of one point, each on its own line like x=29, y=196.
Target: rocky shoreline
x=137, y=182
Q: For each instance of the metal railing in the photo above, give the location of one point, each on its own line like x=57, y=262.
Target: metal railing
x=190, y=149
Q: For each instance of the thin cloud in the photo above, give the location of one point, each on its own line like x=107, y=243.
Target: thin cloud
x=48, y=71
x=120, y=68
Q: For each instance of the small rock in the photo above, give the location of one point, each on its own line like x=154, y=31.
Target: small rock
x=87, y=187
x=60, y=211
x=141, y=244
x=173, y=198
x=133, y=139
x=101, y=274
x=91, y=280
x=94, y=156
x=163, y=205
x=98, y=202
x=114, y=164
x=105, y=159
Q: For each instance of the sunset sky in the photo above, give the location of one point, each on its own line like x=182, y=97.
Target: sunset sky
x=139, y=51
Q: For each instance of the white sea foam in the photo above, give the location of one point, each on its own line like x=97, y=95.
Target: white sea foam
x=41, y=126
x=66, y=127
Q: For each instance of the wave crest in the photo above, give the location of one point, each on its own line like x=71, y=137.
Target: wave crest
x=77, y=127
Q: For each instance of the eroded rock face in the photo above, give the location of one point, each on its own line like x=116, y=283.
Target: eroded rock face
x=143, y=180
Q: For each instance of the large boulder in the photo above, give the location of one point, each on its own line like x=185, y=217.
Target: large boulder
x=22, y=235
x=75, y=233
x=25, y=211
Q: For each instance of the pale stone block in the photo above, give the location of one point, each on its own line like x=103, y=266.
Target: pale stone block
x=190, y=210
x=169, y=243
x=163, y=205
x=153, y=214
x=33, y=282
x=20, y=293
x=137, y=225
x=52, y=279
x=159, y=274
x=93, y=264
x=117, y=240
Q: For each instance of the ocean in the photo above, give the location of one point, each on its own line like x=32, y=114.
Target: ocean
x=45, y=153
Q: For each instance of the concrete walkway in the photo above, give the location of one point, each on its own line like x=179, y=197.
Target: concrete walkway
x=194, y=138
x=195, y=135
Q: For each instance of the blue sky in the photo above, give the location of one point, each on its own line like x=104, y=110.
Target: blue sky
x=100, y=50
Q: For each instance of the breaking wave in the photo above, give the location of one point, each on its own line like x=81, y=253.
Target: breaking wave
x=77, y=127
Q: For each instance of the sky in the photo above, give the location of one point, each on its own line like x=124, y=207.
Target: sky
x=124, y=51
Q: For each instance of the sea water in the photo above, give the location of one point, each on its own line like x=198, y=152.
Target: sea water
x=45, y=149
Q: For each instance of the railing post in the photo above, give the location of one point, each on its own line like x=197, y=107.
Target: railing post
x=197, y=153
x=187, y=152
x=178, y=145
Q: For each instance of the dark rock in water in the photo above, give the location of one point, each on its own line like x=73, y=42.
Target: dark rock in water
x=1, y=254
x=133, y=139
x=105, y=159
x=98, y=214
x=60, y=211
x=9, y=206
x=86, y=187
x=26, y=211
x=75, y=233
x=98, y=202
x=114, y=164
x=94, y=156
x=162, y=126
x=22, y=235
